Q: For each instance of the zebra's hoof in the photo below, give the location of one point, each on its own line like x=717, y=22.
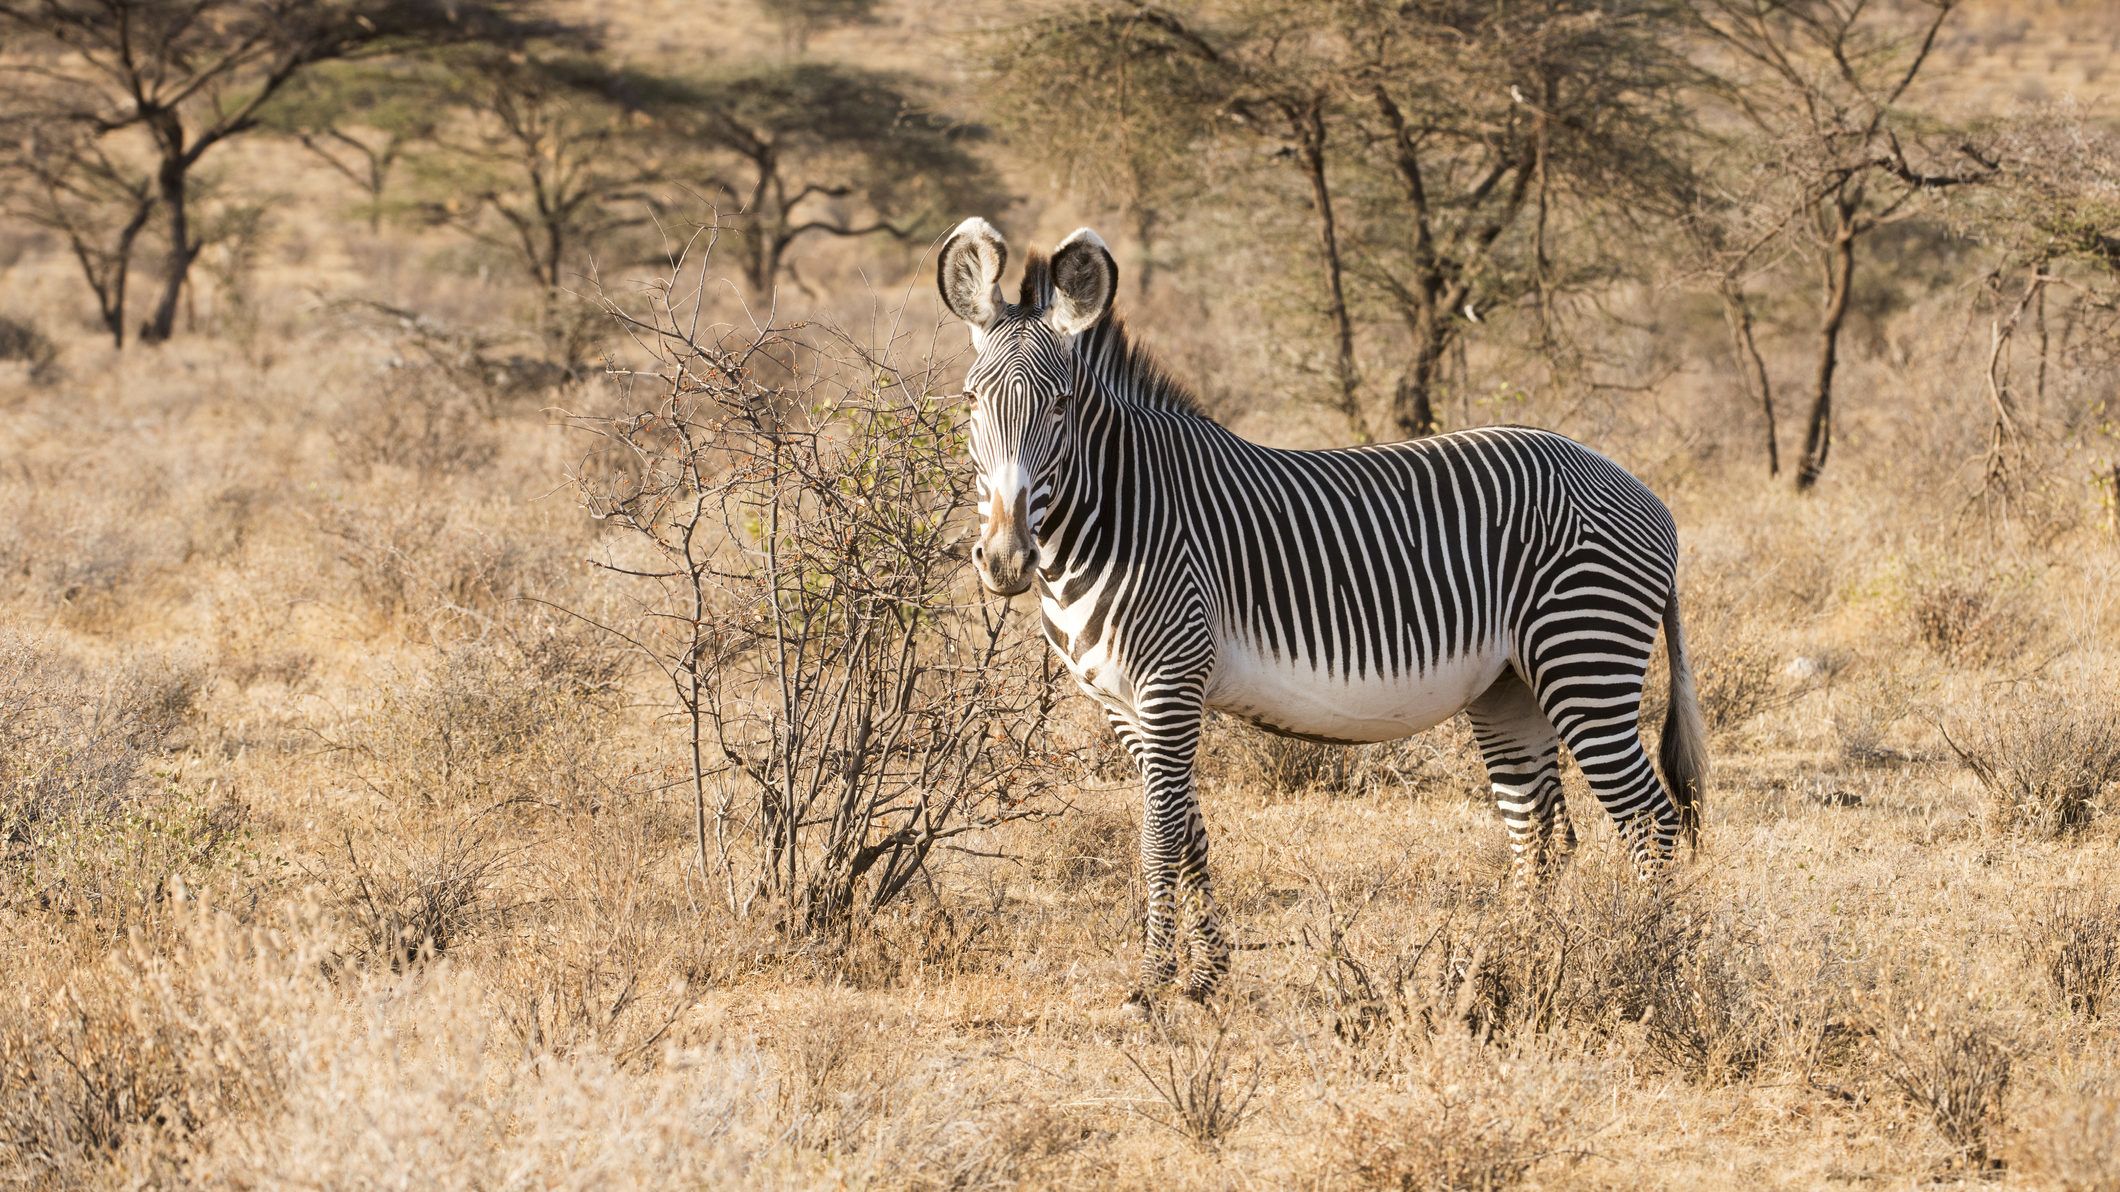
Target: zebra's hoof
x=1137, y=1006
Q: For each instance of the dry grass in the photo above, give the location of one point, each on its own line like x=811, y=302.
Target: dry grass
x=333, y=851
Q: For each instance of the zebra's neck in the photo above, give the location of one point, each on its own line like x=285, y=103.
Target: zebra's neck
x=1124, y=424
x=1111, y=367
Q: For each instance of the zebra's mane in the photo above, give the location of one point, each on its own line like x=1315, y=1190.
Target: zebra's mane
x=1136, y=376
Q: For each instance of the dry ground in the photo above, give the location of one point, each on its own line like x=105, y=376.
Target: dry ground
x=285, y=687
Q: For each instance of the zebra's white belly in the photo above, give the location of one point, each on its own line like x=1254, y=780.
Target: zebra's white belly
x=1296, y=698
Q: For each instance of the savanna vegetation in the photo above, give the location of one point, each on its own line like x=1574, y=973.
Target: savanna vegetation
x=492, y=694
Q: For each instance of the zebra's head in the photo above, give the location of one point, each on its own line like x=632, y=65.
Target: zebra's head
x=1022, y=380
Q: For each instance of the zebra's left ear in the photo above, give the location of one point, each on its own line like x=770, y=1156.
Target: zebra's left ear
x=1085, y=278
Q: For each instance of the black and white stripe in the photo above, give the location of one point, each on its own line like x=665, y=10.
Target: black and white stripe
x=1356, y=594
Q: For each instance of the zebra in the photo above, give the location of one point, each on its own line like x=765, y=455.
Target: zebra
x=1350, y=595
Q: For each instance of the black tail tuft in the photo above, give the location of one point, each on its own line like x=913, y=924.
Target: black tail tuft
x=1683, y=753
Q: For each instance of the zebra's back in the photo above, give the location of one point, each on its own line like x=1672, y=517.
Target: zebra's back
x=1368, y=593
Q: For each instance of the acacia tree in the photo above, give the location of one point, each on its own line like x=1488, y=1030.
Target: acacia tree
x=800, y=20
x=1820, y=89
x=815, y=149
x=2051, y=218
x=361, y=119
x=61, y=177
x=552, y=153
x=1443, y=147
x=138, y=92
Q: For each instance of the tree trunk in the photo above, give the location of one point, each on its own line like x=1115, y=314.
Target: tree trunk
x=1840, y=281
x=1738, y=313
x=1145, y=236
x=1310, y=134
x=1413, y=403
x=174, y=182
x=109, y=283
x=555, y=253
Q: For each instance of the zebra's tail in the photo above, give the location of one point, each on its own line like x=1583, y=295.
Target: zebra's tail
x=1683, y=753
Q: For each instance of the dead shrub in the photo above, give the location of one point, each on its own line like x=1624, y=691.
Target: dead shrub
x=1952, y=1061
x=85, y=1075
x=1864, y=725
x=1476, y=1117
x=1087, y=849
x=1971, y=618
x=86, y=829
x=1738, y=665
x=1238, y=752
x=984, y=1144
x=415, y=417
x=462, y=758
x=409, y=905
x=483, y=726
x=22, y=341
x=789, y=522
x=832, y=1083
x=2073, y=1135
x=2045, y=761
x=1199, y=1093
x=2075, y=943
x=1707, y=1015
x=1291, y=764
x=143, y=1051
x=1603, y=955
x=418, y=557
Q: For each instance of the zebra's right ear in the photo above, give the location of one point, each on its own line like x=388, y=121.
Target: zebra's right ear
x=969, y=273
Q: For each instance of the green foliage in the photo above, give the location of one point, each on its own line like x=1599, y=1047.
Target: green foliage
x=361, y=118
x=799, y=20
x=1432, y=158
x=813, y=148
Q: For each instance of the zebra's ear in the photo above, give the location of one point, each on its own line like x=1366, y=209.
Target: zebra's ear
x=1085, y=278
x=969, y=272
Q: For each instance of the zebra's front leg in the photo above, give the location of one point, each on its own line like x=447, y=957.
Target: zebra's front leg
x=1206, y=947
x=1163, y=733
x=1181, y=892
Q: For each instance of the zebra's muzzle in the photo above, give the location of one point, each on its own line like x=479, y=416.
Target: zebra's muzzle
x=1006, y=556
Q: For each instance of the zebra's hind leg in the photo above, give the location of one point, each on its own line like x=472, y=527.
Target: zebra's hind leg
x=1522, y=753
x=1596, y=707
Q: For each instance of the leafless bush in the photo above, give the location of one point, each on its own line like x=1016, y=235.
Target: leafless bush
x=413, y=901
x=1601, y=955
x=1477, y=1119
x=2046, y=760
x=1952, y=1061
x=1087, y=848
x=2075, y=943
x=1201, y=1095
x=146, y=1049
x=832, y=1083
x=791, y=521
x=1739, y=666
x=1864, y=724
x=20, y=340
x=1292, y=764
x=1707, y=1015
x=456, y=755
x=413, y=417
x=1969, y=618
x=83, y=829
